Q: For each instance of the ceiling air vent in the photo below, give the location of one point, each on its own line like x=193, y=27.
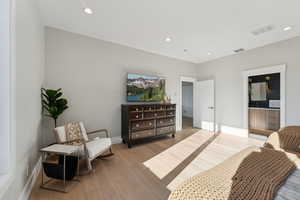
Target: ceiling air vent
x=263, y=30
x=239, y=50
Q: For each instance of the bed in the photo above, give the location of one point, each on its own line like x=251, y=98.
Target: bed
x=269, y=172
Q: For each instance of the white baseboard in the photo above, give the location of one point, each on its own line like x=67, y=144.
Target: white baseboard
x=31, y=181
x=190, y=115
x=116, y=140
x=233, y=130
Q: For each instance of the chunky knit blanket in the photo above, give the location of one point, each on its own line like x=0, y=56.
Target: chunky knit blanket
x=252, y=174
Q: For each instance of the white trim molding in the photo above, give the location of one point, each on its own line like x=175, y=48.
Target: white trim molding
x=31, y=181
x=116, y=140
x=179, y=106
x=241, y=132
x=7, y=175
x=5, y=82
x=260, y=71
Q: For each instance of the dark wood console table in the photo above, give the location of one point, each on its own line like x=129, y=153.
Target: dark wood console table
x=140, y=121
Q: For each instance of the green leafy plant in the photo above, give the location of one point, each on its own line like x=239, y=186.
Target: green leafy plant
x=53, y=103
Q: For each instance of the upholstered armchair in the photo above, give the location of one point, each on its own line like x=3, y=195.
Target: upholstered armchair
x=94, y=144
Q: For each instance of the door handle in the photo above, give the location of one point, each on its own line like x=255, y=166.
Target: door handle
x=211, y=107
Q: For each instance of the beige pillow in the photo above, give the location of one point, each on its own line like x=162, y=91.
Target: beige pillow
x=287, y=138
x=273, y=142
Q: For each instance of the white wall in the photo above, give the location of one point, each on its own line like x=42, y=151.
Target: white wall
x=4, y=85
x=187, y=100
x=92, y=74
x=227, y=72
x=28, y=75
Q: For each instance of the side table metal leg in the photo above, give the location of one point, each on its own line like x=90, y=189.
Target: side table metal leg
x=64, y=181
x=78, y=163
x=64, y=173
x=43, y=154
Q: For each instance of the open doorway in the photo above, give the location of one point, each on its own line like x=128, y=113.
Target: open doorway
x=187, y=104
x=264, y=100
x=196, y=106
x=264, y=103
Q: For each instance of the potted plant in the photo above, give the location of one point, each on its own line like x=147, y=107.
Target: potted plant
x=53, y=103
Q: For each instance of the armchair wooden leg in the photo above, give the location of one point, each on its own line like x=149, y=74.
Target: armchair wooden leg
x=108, y=154
x=89, y=165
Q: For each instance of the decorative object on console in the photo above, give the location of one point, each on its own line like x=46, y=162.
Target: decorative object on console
x=166, y=100
x=140, y=121
x=53, y=103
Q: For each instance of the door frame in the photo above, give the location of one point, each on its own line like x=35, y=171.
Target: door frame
x=261, y=71
x=190, y=80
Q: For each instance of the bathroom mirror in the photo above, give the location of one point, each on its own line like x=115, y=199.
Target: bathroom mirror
x=259, y=91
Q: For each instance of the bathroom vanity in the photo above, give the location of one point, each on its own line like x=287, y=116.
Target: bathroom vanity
x=264, y=104
x=264, y=120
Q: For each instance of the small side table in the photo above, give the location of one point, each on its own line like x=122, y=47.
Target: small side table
x=64, y=150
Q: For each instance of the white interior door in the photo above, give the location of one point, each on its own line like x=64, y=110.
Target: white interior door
x=204, y=105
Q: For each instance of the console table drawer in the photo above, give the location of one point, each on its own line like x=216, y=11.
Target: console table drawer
x=160, y=114
x=166, y=122
x=148, y=115
x=170, y=113
x=149, y=108
x=160, y=107
x=147, y=120
x=164, y=130
x=136, y=108
x=171, y=107
x=143, y=134
x=139, y=125
x=136, y=116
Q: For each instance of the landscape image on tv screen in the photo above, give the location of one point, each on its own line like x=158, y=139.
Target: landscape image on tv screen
x=142, y=88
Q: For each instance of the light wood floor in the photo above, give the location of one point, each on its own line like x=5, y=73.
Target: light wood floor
x=122, y=176
x=187, y=122
x=203, y=149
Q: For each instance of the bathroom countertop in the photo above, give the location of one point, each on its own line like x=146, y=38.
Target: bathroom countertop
x=262, y=108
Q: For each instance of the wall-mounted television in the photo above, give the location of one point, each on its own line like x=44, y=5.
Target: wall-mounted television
x=144, y=88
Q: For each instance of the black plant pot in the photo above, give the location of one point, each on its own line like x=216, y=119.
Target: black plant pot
x=56, y=171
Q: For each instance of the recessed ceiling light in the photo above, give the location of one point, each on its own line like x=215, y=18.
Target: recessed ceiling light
x=263, y=30
x=88, y=11
x=287, y=28
x=209, y=53
x=168, y=39
x=239, y=50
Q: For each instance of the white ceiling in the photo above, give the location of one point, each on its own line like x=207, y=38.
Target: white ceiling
x=200, y=26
